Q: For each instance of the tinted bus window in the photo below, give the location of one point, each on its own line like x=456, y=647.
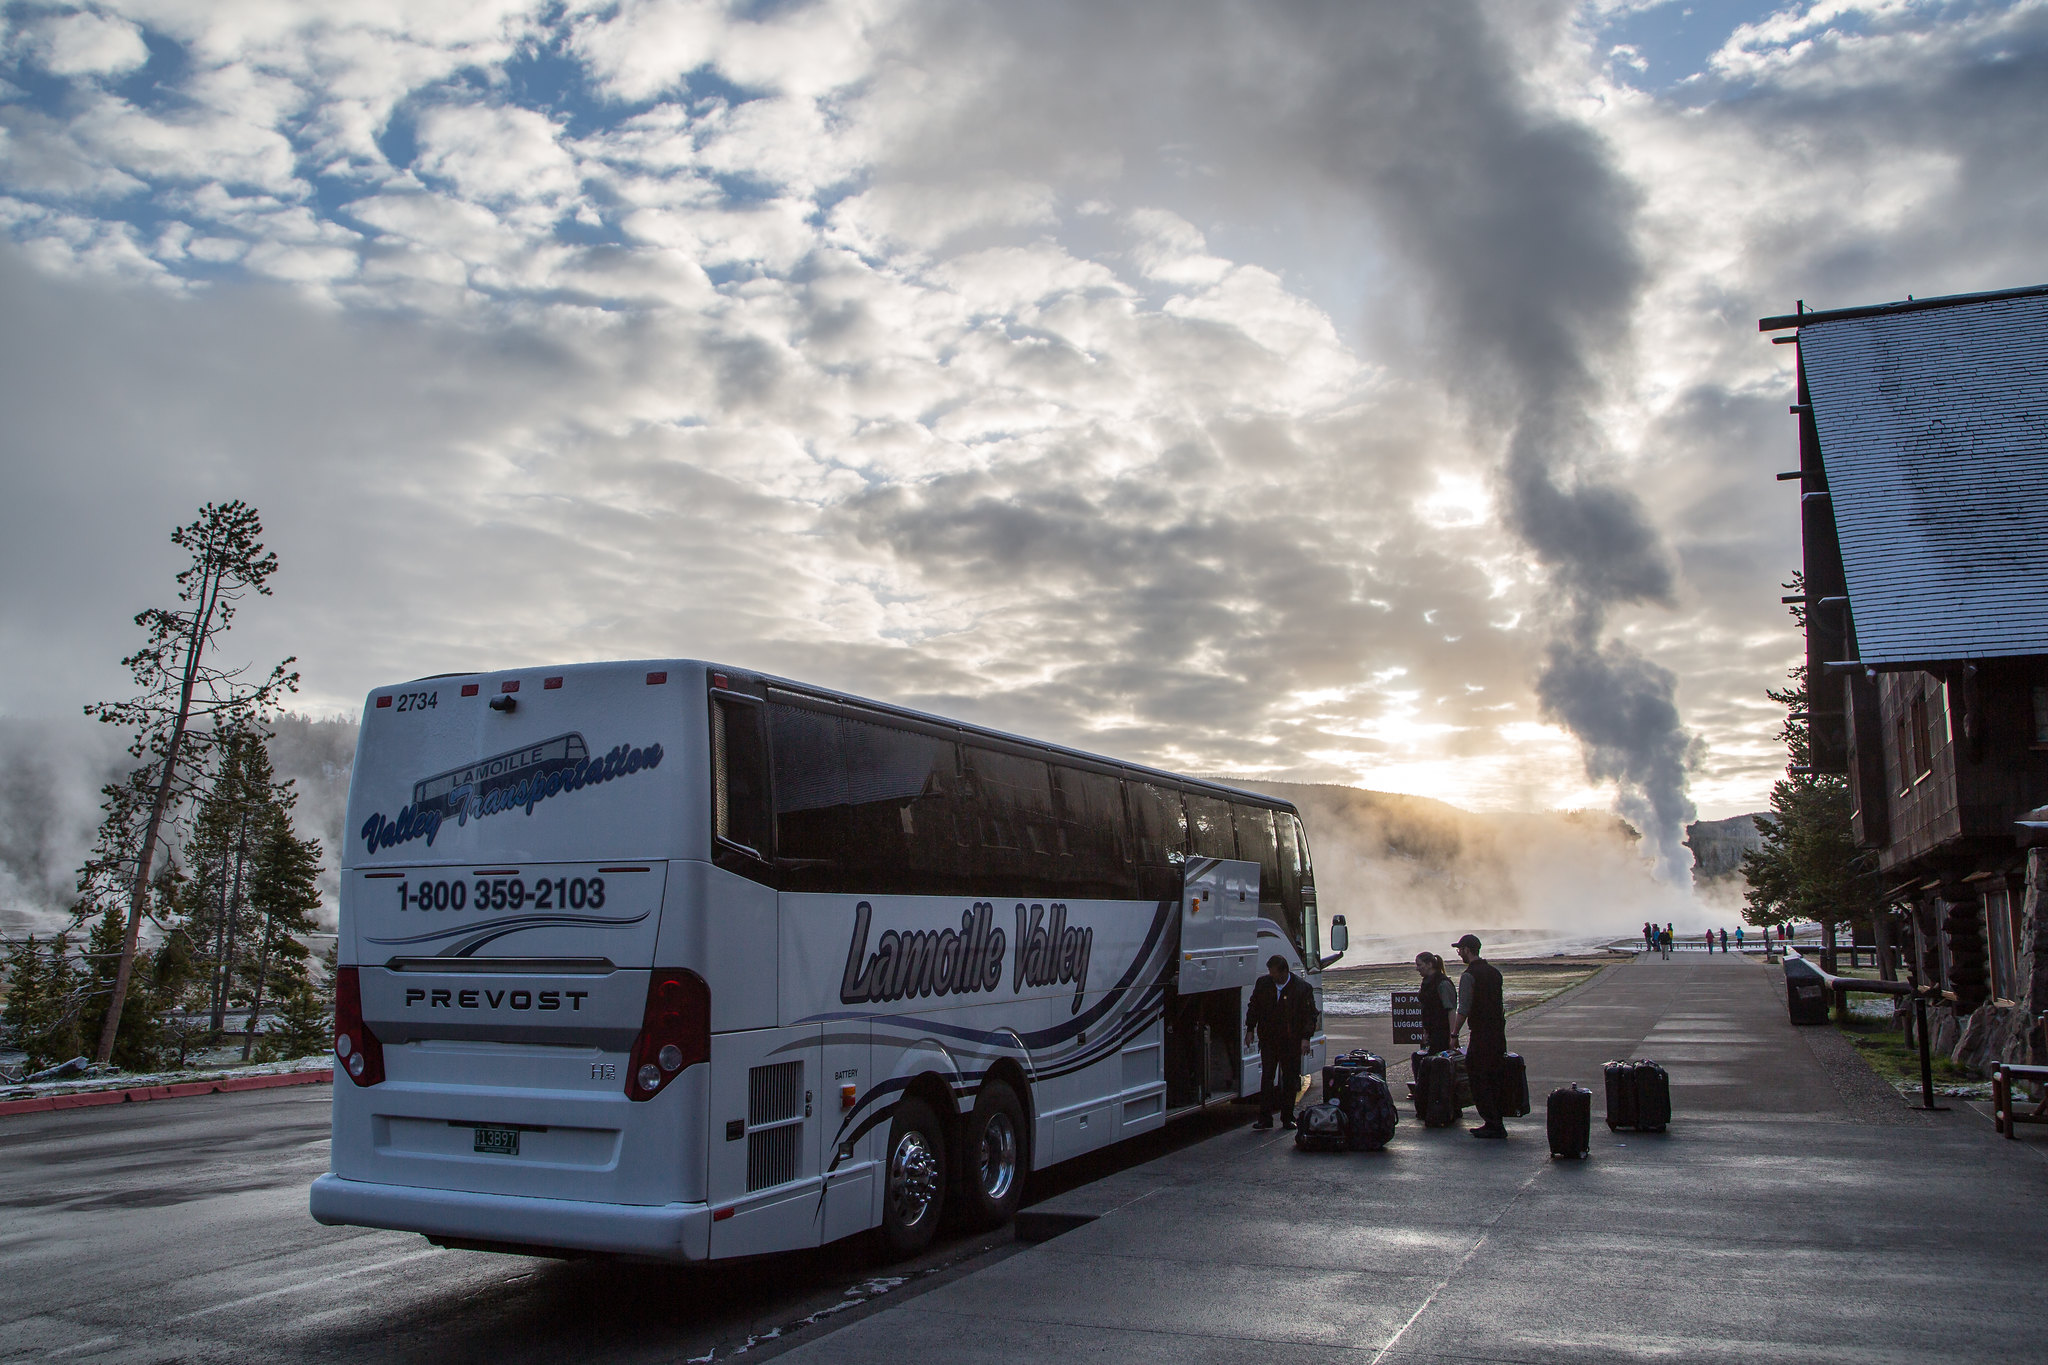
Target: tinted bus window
x=1159, y=827
x=1255, y=844
x=1089, y=817
x=809, y=762
x=1014, y=795
x=740, y=808
x=1209, y=831
x=900, y=836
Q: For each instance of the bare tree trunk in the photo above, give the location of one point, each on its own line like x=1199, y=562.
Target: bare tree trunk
x=256, y=1004
x=224, y=968
x=160, y=804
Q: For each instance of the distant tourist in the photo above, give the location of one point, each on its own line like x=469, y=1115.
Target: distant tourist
x=1439, y=1002
x=1649, y=936
x=1282, y=1014
x=1482, y=1005
x=1709, y=937
x=1664, y=942
x=1738, y=938
x=1724, y=943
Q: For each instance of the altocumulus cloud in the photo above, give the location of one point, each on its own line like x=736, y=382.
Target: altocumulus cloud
x=1359, y=392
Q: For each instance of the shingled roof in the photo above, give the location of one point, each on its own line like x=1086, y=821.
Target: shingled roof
x=1933, y=424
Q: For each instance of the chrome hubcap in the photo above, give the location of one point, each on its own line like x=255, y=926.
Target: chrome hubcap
x=913, y=1178
x=998, y=1157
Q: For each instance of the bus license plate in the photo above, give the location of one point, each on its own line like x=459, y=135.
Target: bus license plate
x=498, y=1141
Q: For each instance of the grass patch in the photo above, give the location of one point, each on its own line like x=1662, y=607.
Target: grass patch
x=1884, y=1048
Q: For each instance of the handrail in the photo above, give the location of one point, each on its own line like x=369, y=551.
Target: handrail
x=1862, y=984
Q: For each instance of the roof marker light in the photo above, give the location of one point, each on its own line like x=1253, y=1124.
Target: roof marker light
x=510, y=685
x=720, y=680
x=550, y=684
x=383, y=702
x=656, y=679
x=469, y=689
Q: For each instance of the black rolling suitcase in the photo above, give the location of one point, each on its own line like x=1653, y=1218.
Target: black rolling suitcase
x=1653, y=1097
x=1621, y=1094
x=1569, y=1117
x=1514, y=1087
x=1436, y=1089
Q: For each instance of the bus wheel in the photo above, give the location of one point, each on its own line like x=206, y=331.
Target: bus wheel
x=992, y=1156
x=915, y=1195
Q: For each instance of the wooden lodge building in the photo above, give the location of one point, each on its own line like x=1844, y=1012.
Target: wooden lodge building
x=1923, y=478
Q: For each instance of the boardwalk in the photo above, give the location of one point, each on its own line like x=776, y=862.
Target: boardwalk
x=1796, y=1211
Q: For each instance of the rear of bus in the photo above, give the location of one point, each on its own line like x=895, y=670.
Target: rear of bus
x=522, y=1017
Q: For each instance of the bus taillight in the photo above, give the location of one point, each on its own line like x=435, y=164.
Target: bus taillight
x=356, y=1049
x=675, y=1032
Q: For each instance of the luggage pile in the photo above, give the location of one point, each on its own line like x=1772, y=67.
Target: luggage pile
x=1638, y=1096
x=1441, y=1088
x=1357, y=1113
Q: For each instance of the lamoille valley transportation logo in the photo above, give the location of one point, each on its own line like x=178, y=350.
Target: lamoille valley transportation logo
x=916, y=963
x=518, y=779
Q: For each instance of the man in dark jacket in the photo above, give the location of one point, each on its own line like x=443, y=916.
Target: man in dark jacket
x=1283, y=1015
x=1482, y=1009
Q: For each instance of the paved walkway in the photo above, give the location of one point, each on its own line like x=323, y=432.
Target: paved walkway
x=1796, y=1211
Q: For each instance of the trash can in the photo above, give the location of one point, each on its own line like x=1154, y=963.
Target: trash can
x=1806, y=992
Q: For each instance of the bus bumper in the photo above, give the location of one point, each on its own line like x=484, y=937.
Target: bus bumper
x=672, y=1232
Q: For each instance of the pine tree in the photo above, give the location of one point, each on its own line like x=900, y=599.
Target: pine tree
x=27, y=989
x=184, y=707
x=236, y=817
x=284, y=892
x=1809, y=867
x=306, y=1025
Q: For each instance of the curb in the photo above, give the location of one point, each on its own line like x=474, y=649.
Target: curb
x=93, y=1098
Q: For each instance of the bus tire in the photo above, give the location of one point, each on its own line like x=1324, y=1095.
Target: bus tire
x=914, y=1178
x=994, y=1155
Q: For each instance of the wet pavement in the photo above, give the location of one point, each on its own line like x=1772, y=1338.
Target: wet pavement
x=1796, y=1210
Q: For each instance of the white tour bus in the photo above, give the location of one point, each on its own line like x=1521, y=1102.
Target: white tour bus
x=670, y=960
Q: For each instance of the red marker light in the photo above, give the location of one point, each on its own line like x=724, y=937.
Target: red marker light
x=720, y=1215
x=512, y=686
x=383, y=702
x=550, y=684
x=469, y=689
x=656, y=679
x=720, y=680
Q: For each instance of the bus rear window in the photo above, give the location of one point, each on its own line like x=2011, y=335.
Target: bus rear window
x=739, y=775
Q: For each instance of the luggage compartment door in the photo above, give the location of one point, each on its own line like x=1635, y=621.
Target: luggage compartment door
x=764, y=1141
x=1219, y=925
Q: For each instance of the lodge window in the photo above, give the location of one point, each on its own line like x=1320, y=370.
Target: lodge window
x=1922, y=739
x=2041, y=713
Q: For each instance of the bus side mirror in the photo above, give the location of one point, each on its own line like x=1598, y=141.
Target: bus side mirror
x=1340, y=936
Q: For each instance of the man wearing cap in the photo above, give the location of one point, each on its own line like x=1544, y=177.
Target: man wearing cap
x=1282, y=1013
x=1481, y=1008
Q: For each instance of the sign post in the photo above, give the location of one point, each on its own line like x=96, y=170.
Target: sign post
x=1408, y=1017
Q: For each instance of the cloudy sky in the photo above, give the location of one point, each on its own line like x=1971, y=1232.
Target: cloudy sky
x=1362, y=392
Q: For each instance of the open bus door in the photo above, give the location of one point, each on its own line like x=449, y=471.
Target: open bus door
x=1217, y=961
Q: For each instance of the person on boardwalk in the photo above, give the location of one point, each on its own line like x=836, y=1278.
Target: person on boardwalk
x=1482, y=1007
x=1649, y=937
x=1282, y=1014
x=1724, y=942
x=1439, y=1002
x=1738, y=938
x=1664, y=943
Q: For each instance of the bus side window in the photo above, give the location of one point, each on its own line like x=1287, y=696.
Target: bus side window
x=808, y=752
x=1090, y=815
x=1159, y=827
x=1256, y=844
x=741, y=812
x=901, y=795
x=1209, y=830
